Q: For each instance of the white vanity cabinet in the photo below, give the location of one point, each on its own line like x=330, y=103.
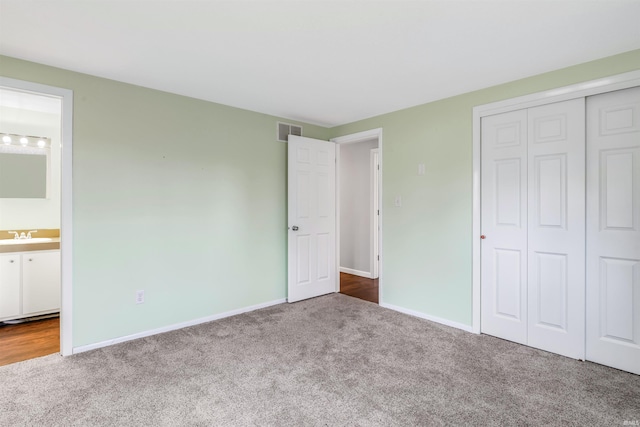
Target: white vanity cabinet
x=10, y=279
x=29, y=284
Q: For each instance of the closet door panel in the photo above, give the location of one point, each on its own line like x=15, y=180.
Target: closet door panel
x=556, y=221
x=504, y=223
x=613, y=229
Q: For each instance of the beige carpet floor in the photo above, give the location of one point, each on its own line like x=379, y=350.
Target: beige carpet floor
x=329, y=361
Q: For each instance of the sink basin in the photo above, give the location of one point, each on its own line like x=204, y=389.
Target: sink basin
x=25, y=241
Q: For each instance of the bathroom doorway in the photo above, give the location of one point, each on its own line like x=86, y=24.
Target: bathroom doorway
x=35, y=220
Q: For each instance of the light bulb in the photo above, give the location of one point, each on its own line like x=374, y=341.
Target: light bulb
x=24, y=141
x=42, y=143
x=6, y=139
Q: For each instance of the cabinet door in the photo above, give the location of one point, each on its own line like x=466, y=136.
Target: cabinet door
x=40, y=282
x=9, y=286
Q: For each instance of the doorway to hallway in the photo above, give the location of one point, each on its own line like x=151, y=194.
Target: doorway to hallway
x=359, y=214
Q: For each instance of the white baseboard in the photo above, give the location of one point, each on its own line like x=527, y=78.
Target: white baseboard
x=173, y=327
x=355, y=272
x=440, y=320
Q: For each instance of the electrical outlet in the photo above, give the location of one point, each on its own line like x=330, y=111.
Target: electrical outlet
x=139, y=297
x=398, y=201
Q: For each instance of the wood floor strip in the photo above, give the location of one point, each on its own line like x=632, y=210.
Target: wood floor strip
x=359, y=287
x=28, y=340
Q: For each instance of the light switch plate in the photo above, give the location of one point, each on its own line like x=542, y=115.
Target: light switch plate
x=139, y=297
x=398, y=201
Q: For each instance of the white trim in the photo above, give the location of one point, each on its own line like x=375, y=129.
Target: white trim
x=66, y=205
x=355, y=272
x=176, y=326
x=349, y=139
x=475, y=239
x=358, y=137
x=440, y=320
x=337, y=216
x=580, y=90
x=66, y=225
x=374, y=185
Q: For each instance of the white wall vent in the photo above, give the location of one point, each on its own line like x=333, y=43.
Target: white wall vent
x=286, y=129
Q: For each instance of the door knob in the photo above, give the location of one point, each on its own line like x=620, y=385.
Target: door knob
x=294, y=228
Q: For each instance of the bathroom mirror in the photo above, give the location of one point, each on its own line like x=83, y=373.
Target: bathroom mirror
x=23, y=176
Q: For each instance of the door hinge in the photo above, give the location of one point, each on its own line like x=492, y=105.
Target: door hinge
x=378, y=257
x=378, y=211
x=378, y=167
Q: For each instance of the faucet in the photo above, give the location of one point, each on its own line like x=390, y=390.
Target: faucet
x=17, y=236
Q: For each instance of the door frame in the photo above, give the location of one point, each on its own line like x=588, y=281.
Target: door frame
x=351, y=139
x=374, y=159
x=66, y=205
x=579, y=90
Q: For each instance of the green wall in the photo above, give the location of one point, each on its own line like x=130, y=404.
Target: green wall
x=183, y=198
x=186, y=199
x=427, y=253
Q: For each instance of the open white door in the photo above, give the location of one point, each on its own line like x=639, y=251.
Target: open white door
x=312, y=218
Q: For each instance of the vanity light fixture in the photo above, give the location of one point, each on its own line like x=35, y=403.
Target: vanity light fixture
x=27, y=142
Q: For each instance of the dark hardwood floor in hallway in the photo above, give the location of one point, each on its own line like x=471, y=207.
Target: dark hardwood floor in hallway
x=29, y=340
x=359, y=287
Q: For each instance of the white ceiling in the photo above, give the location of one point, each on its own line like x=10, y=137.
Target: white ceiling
x=320, y=62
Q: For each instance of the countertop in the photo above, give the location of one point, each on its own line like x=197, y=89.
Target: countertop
x=27, y=246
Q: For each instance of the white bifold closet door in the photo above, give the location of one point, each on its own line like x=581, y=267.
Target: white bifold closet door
x=533, y=210
x=504, y=223
x=556, y=246
x=613, y=229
